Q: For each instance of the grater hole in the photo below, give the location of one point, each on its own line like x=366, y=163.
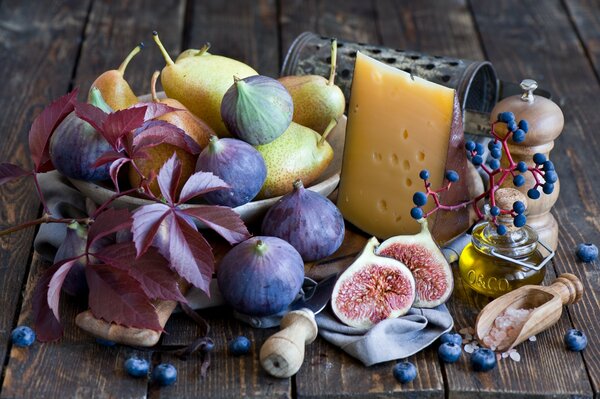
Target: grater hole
x=446, y=78
x=345, y=73
x=375, y=51
x=390, y=60
x=415, y=57
x=452, y=63
x=429, y=66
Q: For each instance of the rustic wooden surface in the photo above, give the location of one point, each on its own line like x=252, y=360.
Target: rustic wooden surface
x=47, y=47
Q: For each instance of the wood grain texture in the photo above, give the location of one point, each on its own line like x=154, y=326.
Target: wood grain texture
x=36, y=67
x=586, y=19
x=244, y=30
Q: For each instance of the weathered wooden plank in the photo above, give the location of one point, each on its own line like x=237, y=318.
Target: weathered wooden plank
x=36, y=67
x=244, y=30
x=554, y=56
x=586, y=18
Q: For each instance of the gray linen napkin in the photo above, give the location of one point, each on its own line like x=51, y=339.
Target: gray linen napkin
x=388, y=340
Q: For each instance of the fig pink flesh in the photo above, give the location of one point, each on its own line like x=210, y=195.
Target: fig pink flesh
x=430, y=279
x=374, y=292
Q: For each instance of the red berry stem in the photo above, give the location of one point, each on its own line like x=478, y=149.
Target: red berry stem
x=40, y=193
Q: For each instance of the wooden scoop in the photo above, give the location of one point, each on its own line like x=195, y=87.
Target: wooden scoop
x=546, y=304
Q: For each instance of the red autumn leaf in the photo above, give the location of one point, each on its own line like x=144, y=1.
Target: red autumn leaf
x=200, y=183
x=189, y=253
x=91, y=114
x=107, y=157
x=154, y=133
x=221, y=219
x=114, y=170
x=10, y=172
x=117, y=297
x=155, y=110
x=151, y=270
x=44, y=125
x=168, y=178
x=120, y=123
x=108, y=222
x=56, y=283
x=146, y=222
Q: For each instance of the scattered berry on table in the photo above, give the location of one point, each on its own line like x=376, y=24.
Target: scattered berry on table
x=483, y=359
x=239, y=346
x=587, y=252
x=136, y=367
x=22, y=336
x=451, y=337
x=449, y=352
x=164, y=374
x=575, y=340
x=405, y=372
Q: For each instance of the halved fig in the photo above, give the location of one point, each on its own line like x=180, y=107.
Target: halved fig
x=430, y=269
x=372, y=289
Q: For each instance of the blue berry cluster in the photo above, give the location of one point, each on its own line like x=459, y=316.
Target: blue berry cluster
x=518, y=130
x=550, y=176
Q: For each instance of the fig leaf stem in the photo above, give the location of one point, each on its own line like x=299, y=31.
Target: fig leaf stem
x=46, y=218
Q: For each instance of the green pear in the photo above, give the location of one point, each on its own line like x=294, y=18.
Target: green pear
x=316, y=100
x=299, y=153
x=199, y=80
x=192, y=52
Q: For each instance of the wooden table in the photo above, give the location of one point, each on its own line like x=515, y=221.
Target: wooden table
x=47, y=47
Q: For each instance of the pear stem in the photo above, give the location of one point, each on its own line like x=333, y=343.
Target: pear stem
x=153, y=86
x=203, y=50
x=132, y=54
x=168, y=58
x=328, y=130
x=333, y=62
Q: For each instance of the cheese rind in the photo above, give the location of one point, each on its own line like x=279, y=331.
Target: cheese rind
x=398, y=125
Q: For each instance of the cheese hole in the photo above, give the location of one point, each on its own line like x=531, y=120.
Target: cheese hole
x=398, y=219
x=382, y=204
x=408, y=182
x=377, y=157
x=356, y=108
x=395, y=159
x=421, y=156
x=376, y=76
x=406, y=164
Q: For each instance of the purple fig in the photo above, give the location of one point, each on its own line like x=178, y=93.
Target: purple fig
x=238, y=164
x=308, y=221
x=260, y=276
x=257, y=109
x=76, y=145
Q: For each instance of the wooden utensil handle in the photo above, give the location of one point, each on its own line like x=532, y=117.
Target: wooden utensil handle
x=282, y=354
x=569, y=288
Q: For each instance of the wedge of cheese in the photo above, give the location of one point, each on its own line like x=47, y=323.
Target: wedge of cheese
x=398, y=125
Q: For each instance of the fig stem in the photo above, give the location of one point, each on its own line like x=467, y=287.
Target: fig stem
x=333, y=62
x=46, y=218
x=153, y=86
x=328, y=130
x=164, y=52
x=213, y=143
x=131, y=54
x=203, y=50
x=261, y=247
x=298, y=184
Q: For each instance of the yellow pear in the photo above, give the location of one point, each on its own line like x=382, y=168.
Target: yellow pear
x=199, y=81
x=316, y=100
x=299, y=153
x=114, y=88
x=192, y=52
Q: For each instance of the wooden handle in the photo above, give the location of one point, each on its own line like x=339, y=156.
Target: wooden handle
x=282, y=354
x=568, y=287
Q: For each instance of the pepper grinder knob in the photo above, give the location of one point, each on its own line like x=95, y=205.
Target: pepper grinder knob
x=528, y=86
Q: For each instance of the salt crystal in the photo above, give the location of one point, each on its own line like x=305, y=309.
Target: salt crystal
x=515, y=356
x=506, y=327
x=533, y=338
x=504, y=355
x=469, y=348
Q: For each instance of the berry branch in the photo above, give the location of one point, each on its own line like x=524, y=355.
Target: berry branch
x=543, y=174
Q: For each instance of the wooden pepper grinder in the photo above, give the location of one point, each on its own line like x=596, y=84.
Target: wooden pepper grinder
x=546, y=122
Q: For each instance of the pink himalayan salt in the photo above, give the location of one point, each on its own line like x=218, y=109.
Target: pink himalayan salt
x=506, y=327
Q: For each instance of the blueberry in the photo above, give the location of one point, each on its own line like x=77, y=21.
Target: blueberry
x=522, y=167
x=575, y=340
x=105, y=342
x=405, y=372
x=512, y=126
x=547, y=166
x=495, y=211
x=451, y=337
x=240, y=345
x=518, y=136
x=501, y=230
x=496, y=153
x=533, y=193
x=548, y=188
x=452, y=176
x=519, y=207
x=519, y=180
x=449, y=352
x=550, y=176
x=494, y=164
x=520, y=220
x=164, y=374
x=523, y=125
x=424, y=174
x=419, y=198
x=506, y=117
x=22, y=336
x=470, y=145
x=479, y=149
x=477, y=160
x=587, y=252
x=494, y=145
x=483, y=359
x=539, y=158
x=416, y=213
x=136, y=367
